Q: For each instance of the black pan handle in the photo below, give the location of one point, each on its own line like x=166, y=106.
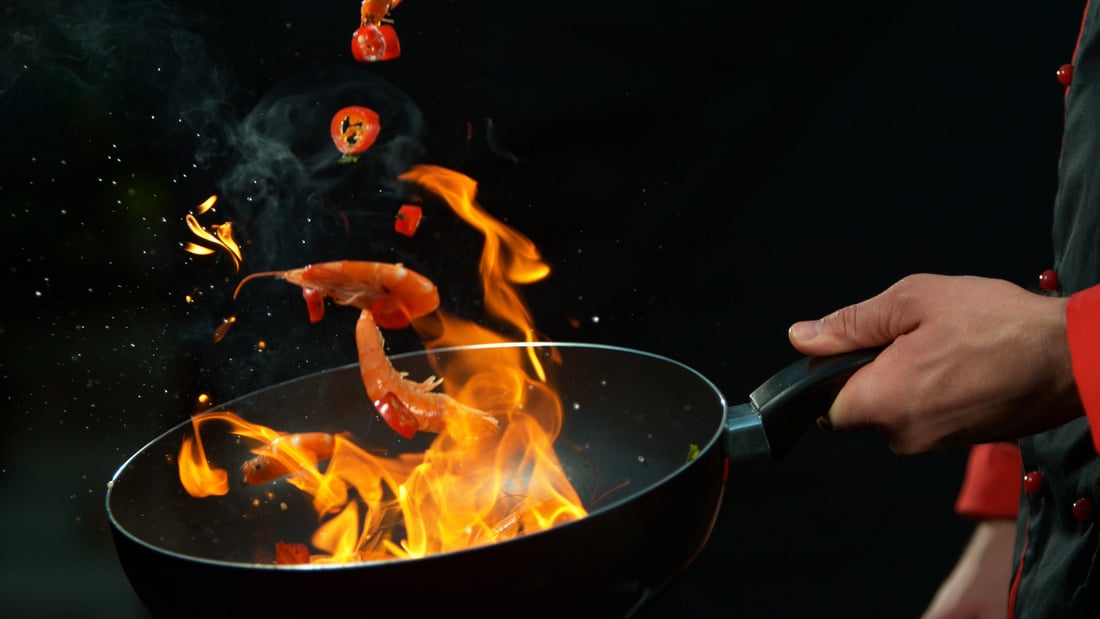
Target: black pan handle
x=793, y=399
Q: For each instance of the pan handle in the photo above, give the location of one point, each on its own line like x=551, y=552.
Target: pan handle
x=793, y=399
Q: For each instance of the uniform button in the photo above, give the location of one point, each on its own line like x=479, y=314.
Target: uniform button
x=1082, y=510
x=1048, y=280
x=1033, y=482
x=1065, y=74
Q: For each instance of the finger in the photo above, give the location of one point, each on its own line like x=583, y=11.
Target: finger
x=839, y=415
x=868, y=324
x=850, y=409
x=870, y=400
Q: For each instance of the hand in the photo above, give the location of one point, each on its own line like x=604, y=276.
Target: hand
x=967, y=359
x=978, y=586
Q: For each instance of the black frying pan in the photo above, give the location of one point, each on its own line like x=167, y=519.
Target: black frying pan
x=630, y=416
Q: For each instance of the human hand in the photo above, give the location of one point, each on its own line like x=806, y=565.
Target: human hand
x=967, y=360
x=977, y=587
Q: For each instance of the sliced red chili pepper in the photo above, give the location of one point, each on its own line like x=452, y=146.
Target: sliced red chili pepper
x=396, y=414
x=389, y=313
x=354, y=129
x=291, y=553
x=408, y=219
x=371, y=43
x=315, y=303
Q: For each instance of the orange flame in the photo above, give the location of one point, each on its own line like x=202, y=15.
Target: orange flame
x=221, y=237
x=507, y=258
x=195, y=473
x=206, y=204
x=461, y=492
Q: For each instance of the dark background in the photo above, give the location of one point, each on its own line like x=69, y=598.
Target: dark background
x=697, y=177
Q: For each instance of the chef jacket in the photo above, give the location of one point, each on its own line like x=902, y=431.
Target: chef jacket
x=1050, y=482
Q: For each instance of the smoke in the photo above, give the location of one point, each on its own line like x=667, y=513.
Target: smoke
x=187, y=87
x=137, y=56
x=190, y=86
x=285, y=176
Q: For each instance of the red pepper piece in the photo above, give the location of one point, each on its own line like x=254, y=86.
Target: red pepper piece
x=291, y=553
x=408, y=219
x=354, y=129
x=315, y=303
x=389, y=313
x=396, y=414
x=371, y=43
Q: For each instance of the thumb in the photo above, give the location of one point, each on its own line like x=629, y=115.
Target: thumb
x=874, y=322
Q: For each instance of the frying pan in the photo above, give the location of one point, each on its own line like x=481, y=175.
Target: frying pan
x=630, y=416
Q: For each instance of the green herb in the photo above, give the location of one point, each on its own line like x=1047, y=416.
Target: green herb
x=693, y=452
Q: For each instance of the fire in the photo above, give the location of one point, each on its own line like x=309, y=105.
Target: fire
x=195, y=473
x=466, y=489
x=221, y=237
x=507, y=258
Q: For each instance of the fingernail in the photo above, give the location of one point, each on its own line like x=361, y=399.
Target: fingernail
x=805, y=330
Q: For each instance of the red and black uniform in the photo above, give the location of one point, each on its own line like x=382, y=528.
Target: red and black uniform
x=1051, y=482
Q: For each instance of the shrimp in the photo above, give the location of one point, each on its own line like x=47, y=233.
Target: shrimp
x=431, y=408
x=389, y=296
x=272, y=459
x=375, y=11
x=394, y=294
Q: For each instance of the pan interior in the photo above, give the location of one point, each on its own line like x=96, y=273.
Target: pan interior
x=630, y=421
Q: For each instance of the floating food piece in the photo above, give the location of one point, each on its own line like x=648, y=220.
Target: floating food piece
x=396, y=414
x=315, y=303
x=408, y=219
x=374, y=43
x=291, y=553
x=354, y=129
x=375, y=40
x=390, y=296
x=380, y=287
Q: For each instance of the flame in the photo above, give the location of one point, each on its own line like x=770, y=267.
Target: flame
x=507, y=258
x=221, y=237
x=195, y=473
x=206, y=204
x=466, y=489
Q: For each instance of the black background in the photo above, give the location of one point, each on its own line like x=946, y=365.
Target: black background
x=697, y=177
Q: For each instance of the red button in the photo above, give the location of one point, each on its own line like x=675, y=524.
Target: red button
x=1065, y=74
x=1048, y=280
x=1082, y=510
x=1033, y=482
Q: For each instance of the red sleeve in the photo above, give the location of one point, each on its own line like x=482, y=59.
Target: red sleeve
x=1083, y=332
x=991, y=487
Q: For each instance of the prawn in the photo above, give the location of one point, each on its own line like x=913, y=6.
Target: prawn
x=375, y=11
x=394, y=294
x=271, y=460
x=389, y=296
x=430, y=408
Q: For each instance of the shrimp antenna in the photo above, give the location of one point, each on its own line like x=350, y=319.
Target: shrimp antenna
x=254, y=276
